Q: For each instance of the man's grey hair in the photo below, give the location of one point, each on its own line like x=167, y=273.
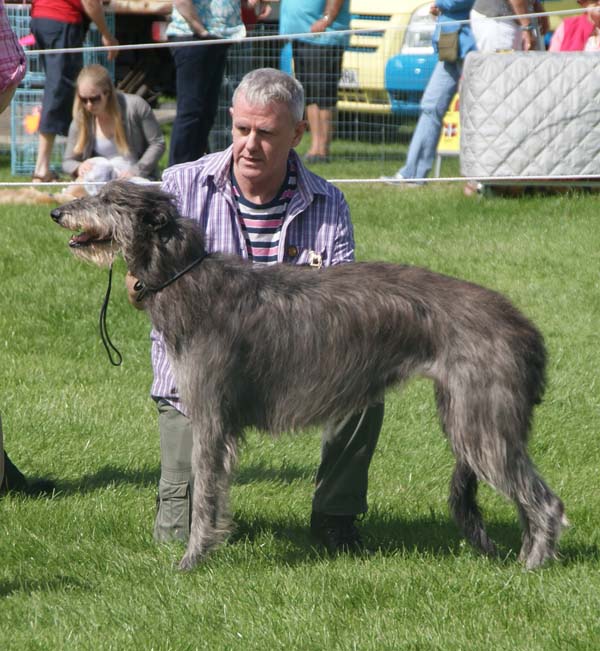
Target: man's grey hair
x=265, y=85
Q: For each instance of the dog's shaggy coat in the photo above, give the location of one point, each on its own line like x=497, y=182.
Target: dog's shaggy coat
x=283, y=347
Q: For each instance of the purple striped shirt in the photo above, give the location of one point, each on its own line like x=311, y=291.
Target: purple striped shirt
x=317, y=222
x=12, y=57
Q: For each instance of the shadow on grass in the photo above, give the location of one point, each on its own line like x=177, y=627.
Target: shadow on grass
x=55, y=584
x=111, y=475
x=435, y=534
x=107, y=476
x=389, y=536
x=285, y=474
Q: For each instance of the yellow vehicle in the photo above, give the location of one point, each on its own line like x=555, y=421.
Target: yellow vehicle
x=387, y=66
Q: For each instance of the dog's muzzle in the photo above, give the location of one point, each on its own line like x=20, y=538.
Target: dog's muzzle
x=56, y=215
x=82, y=239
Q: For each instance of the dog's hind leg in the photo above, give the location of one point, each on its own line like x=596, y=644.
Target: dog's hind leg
x=463, y=486
x=213, y=458
x=527, y=538
x=464, y=509
x=542, y=514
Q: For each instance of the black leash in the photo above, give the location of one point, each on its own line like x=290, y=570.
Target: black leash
x=142, y=289
x=108, y=344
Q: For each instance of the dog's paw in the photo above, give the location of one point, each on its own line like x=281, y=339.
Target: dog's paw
x=539, y=557
x=189, y=561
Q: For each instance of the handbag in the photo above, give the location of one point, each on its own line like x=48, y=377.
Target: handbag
x=448, y=46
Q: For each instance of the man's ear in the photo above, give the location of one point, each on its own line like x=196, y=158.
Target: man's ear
x=299, y=130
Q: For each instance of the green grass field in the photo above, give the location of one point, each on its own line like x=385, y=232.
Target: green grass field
x=79, y=571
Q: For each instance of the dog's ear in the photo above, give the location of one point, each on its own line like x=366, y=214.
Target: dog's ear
x=150, y=208
x=160, y=211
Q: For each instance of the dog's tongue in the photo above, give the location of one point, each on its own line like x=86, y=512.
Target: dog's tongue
x=80, y=240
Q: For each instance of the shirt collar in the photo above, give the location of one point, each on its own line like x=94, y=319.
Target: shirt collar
x=309, y=184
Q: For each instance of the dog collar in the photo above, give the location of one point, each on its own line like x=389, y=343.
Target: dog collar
x=142, y=289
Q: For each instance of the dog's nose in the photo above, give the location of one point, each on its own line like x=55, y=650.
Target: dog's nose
x=56, y=214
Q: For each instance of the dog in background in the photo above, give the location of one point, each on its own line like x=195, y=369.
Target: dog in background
x=284, y=347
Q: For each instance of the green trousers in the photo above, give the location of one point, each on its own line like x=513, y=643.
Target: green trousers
x=173, y=513
x=341, y=481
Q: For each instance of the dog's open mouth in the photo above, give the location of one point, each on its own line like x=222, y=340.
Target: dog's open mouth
x=87, y=238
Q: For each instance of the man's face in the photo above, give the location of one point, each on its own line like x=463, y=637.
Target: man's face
x=262, y=138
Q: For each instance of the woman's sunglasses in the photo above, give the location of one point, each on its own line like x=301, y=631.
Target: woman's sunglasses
x=94, y=99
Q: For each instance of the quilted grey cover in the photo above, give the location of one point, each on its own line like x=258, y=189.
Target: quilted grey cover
x=530, y=114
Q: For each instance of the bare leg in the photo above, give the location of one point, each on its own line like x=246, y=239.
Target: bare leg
x=6, y=95
x=42, y=164
x=319, y=121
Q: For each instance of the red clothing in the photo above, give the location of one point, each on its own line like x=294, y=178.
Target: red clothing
x=65, y=11
x=249, y=17
x=576, y=33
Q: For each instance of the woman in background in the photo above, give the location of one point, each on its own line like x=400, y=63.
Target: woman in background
x=580, y=32
x=112, y=135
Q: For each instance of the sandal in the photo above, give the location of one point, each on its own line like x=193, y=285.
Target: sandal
x=47, y=178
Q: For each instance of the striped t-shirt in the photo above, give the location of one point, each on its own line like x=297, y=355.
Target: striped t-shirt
x=261, y=223
x=318, y=220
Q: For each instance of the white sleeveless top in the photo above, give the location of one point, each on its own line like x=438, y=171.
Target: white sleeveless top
x=105, y=147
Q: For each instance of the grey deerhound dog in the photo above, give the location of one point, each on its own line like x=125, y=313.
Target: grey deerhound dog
x=283, y=347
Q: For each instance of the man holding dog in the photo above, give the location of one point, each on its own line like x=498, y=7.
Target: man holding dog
x=257, y=200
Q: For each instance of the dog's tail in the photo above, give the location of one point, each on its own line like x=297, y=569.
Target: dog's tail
x=535, y=361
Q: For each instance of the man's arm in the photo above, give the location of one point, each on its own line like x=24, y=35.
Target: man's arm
x=529, y=36
x=188, y=11
x=330, y=12
x=343, y=247
x=543, y=21
x=93, y=8
x=262, y=9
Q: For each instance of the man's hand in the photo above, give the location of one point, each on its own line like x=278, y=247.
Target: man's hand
x=108, y=41
x=261, y=9
x=188, y=10
x=95, y=12
x=319, y=25
x=132, y=293
x=529, y=40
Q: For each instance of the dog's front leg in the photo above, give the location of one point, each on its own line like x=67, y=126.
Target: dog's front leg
x=213, y=458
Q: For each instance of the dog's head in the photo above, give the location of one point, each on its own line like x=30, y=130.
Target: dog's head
x=120, y=215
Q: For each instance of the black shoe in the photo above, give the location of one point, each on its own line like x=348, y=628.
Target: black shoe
x=14, y=481
x=337, y=533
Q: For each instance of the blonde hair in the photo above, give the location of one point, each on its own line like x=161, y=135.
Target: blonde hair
x=99, y=77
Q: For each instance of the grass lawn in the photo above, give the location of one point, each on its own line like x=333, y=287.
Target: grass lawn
x=80, y=571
